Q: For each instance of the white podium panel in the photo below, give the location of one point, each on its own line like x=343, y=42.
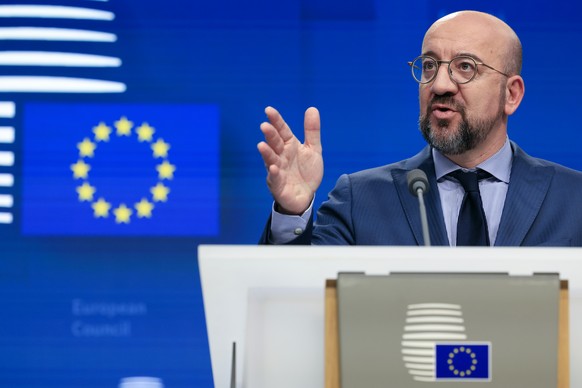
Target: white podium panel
x=270, y=300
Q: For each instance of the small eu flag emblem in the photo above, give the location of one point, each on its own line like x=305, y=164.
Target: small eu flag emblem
x=469, y=361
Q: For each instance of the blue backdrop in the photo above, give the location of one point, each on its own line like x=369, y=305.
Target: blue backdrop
x=117, y=161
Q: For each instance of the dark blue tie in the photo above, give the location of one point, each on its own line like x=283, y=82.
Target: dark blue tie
x=472, y=224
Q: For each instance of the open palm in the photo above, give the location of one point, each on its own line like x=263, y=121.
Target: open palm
x=294, y=170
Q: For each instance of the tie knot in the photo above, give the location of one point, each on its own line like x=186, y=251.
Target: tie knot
x=470, y=179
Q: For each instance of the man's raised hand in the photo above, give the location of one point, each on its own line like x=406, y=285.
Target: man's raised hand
x=294, y=170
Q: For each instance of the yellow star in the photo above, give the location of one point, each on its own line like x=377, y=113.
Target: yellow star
x=122, y=214
x=85, y=192
x=160, y=148
x=101, y=208
x=166, y=170
x=144, y=208
x=102, y=132
x=160, y=193
x=145, y=132
x=80, y=169
x=123, y=126
x=86, y=148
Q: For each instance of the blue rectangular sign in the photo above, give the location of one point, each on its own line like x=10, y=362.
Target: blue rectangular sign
x=463, y=361
x=120, y=169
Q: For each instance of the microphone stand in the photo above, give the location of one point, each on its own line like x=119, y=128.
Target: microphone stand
x=418, y=185
x=423, y=217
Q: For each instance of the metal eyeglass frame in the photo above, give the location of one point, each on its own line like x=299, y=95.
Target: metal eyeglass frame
x=438, y=63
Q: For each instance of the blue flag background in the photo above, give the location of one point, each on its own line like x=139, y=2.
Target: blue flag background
x=463, y=361
x=123, y=169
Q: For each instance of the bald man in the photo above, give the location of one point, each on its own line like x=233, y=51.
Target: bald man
x=469, y=84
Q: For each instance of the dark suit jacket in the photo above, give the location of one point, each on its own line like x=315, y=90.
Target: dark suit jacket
x=374, y=207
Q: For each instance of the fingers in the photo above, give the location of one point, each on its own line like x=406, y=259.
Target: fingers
x=278, y=123
x=312, y=126
x=272, y=137
x=269, y=156
x=271, y=160
x=276, y=133
x=278, y=136
x=294, y=170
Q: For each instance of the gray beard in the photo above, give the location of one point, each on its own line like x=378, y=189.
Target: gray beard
x=465, y=138
x=468, y=135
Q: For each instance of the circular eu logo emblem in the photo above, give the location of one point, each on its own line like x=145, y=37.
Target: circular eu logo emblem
x=123, y=211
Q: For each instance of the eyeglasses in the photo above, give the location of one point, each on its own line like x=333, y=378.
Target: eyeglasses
x=461, y=69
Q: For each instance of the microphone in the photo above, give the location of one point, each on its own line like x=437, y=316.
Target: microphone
x=233, y=367
x=418, y=185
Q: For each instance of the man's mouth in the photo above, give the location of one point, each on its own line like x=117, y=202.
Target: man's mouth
x=442, y=112
x=441, y=108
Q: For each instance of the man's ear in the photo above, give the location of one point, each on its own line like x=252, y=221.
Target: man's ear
x=514, y=94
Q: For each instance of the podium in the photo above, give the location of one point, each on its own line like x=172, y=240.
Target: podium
x=386, y=335
x=270, y=300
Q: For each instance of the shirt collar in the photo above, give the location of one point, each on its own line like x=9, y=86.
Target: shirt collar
x=498, y=165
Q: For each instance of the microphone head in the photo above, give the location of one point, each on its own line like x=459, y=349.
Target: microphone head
x=417, y=180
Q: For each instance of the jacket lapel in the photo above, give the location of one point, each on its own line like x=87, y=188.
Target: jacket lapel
x=528, y=185
x=432, y=201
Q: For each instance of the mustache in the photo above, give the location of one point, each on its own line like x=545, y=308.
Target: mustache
x=446, y=100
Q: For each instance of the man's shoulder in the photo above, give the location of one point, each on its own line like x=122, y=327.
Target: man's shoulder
x=563, y=174
x=558, y=170
x=385, y=171
x=379, y=171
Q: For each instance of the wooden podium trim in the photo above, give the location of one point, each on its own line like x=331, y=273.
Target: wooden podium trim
x=563, y=336
x=331, y=337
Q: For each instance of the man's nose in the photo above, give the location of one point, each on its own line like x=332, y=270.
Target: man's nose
x=442, y=83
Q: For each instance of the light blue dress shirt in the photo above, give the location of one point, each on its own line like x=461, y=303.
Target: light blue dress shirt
x=493, y=190
x=285, y=228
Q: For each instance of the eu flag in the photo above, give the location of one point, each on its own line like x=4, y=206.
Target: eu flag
x=463, y=361
x=120, y=169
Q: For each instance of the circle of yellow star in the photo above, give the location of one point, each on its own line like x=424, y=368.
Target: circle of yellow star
x=86, y=148
x=145, y=132
x=166, y=170
x=80, y=169
x=101, y=208
x=159, y=192
x=160, y=148
x=462, y=352
x=123, y=126
x=102, y=132
x=85, y=192
x=122, y=214
x=144, y=208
